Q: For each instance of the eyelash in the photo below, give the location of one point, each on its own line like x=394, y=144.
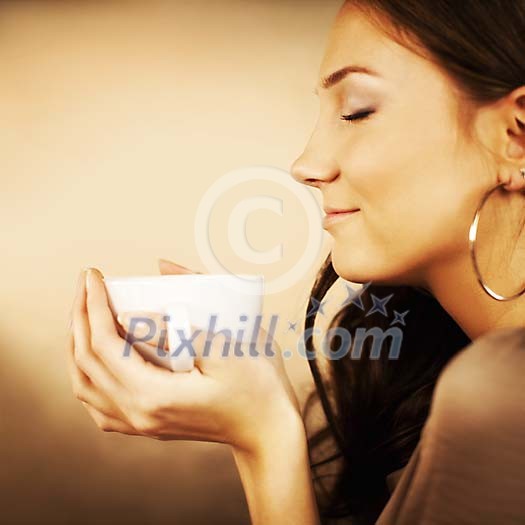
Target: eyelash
x=360, y=115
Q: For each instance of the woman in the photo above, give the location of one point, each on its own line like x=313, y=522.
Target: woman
x=422, y=131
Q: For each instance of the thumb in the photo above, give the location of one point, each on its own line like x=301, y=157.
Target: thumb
x=171, y=268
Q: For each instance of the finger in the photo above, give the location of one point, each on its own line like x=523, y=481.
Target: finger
x=150, y=328
x=85, y=359
x=85, y=390
x=171, y=268
x=108, y=423
x=117, y=354
x=77, y=377
x=145, y=327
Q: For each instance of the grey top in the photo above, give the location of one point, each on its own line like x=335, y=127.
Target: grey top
x=469, y=465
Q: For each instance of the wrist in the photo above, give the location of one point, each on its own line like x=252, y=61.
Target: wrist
x=277, y=479
x=287, y=435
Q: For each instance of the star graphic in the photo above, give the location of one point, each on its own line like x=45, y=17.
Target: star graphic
x=379, y=305
x=354, y=296
x=317, y=306
x=399, y=318
x=292, y=326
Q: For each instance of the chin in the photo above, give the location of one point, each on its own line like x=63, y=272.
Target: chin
x=349, y=271
x=362, y=272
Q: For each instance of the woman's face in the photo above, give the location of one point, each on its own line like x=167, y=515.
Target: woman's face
x=406, y=167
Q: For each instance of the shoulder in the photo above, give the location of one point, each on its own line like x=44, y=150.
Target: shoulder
x=483, y=385
x=469, y=465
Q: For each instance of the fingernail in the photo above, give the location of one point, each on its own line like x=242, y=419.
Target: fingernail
x=98, y=272
x=175, y=264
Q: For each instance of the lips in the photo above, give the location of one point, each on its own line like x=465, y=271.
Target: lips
x=330, y=210
x=336, y=215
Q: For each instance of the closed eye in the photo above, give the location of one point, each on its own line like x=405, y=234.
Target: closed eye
x=361, y=115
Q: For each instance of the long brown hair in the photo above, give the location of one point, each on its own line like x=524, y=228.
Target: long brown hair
x=376, y=408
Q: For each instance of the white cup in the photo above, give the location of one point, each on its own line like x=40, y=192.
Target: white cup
x=234, y=301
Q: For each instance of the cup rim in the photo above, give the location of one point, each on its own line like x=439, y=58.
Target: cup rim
x=157, y=278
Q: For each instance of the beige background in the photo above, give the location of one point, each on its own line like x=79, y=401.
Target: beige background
x=115, y=117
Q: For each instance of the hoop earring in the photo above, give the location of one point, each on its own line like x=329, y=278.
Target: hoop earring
x=473, y=232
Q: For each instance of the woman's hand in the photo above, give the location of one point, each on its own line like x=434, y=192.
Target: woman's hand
x=241, y=401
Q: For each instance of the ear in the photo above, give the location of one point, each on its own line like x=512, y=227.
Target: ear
x=512, y=148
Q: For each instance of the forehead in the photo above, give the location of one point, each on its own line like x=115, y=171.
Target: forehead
x=355, y=39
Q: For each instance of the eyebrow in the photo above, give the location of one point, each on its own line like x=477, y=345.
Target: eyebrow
x=337, y=76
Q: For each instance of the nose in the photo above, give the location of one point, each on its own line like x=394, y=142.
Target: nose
x=314, y=167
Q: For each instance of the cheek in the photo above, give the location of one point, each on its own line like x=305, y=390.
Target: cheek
x=395, y=244
x=406, y=222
